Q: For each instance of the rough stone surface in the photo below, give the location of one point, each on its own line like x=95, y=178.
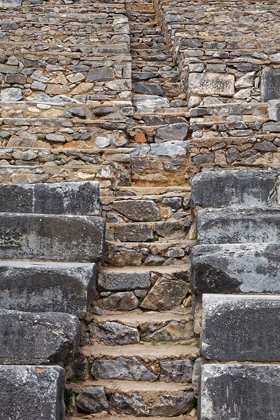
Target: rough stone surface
x=133, y=233
x=116, y=281
x=211, y=84
x=28, y=338
x=32, y=236
x=32, y=392
x=173, y=331
x=270, y=84
x=78, y=198
x=177, y=131
x=224, y=226
x=123, y=301
x=138, y=210
x=234, y=268
x=176, y=371
x=113, y=333
x=92, y=399
x=47, y=287
x=241, y=328
x=122, y=368
x=233, y=188
x=240, y=392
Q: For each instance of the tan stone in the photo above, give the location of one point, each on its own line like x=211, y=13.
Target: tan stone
x=140, y=138
x=57, y=89
x=211, y=84
x=60, y=80
x=82, y=88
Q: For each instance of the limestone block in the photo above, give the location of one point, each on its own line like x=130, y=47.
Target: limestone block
x=92, y=399
x=28, y=338
x=47, y=287
x=178, y=371
x=241, y=226
x=115, y=281
x=138, y=210
x=32, y=392
x=81, y=198
x=129, y=369
x=47, y=237
x=240, y=392
x=240, y=327
x=211, y=84
x=233, y=188
x=270, y=86
x=113, y=333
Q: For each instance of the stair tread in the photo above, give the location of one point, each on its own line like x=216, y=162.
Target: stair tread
x=107, y=416
x=134, y=319
x=144, y=351
x=168, y=269
x=158, y=244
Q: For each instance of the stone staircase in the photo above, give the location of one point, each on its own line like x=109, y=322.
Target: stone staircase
x=235, y=271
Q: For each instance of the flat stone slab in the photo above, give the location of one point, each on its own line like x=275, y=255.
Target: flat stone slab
x=233, y=188
x=47, y=287
x=10, y=3
x=270, y=87
x=241, y=328
x=236, y=268
x=244, y=392
x=48, y=237
x=32, y=392
x=211, y=84
x=77, y=198
x=28, y=338
x=238, y=226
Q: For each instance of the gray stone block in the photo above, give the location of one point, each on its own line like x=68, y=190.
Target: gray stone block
x=10, y=3
x=233, y=188
x=130, y=369
x=80, y=198
x=117, y=281
x=28, y=338
x=241, y=328
x=138, y=210
x=47, y=287
x=48, y=237
x=270, y=87
x=207, y=84
x=235, y=268
x=178, y=371
x=242, y=392
x=92, y=399
x=32, y=392
x=240, y=226
x=113, y=333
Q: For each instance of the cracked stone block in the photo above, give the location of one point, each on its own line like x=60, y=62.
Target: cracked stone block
x=236, y=268
x=138, y=210
x=32, y=392
x=92, y=399
x=240, y=392
x=211, y=84
x=122, y=301
x=178, y=371
x=233, y=188
x=270, y=86
x=117, y=281
x=47, y=287
x=51, y=237
x=28, y=338
x=240, y=327
x=133, y=233
x=240, y=226
x=130, y=369
x=114, y=333
x=77, y=198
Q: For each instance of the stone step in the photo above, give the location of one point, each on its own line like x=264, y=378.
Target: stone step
x=124, y=417
x=51, y=237
x=240, y=226
x=236, y=268
x=136, y=399
x=126, y=289
x=239, y=188
x=240, y=328
x=122, y=254
x=47, y=287
x=79, y=198
x=131, y=328
x=38, y=338
x=32, y=392
x=240, y=391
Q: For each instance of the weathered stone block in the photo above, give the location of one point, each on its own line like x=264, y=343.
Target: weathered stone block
x=270, y=87
x=77, y=198
x=233, y=188
x=133, y=233
x=129, y=369
x=138, y=210
x=241, y=328
x=114, y=281
x=48, y=237
x=47, y=287
x=234, y=268
x=242, y=226
x=211, y=84
x=92, y=399
x=28, y=338
x=240, y=392
x=122, y=301
x=32, y=392
x=178, y=371
x=114, y=333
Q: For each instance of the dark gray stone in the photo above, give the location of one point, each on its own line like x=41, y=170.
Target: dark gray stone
x=92, y=399
x=114, y=281
x=138, y=210
x=232, y=154
x=167, y=228
x=102, y=74
x=240, y=392
x=203, y=158
x=28, y=338
x=47, y=237
x=123, y=301
x=176, y=131
x=47, y=287
x=246, y=268
x=133, y=233
x=233, y=188
x=176, y=371
x=265, y=146
x=32, y=392
x=122, y=368
x=241, y=226
x=200, y=112
x=241, y=328
x=175, y=203
x=78, y=198
x=148, y=88
x=270, y=87
x=272, y=127
x=113, y=333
